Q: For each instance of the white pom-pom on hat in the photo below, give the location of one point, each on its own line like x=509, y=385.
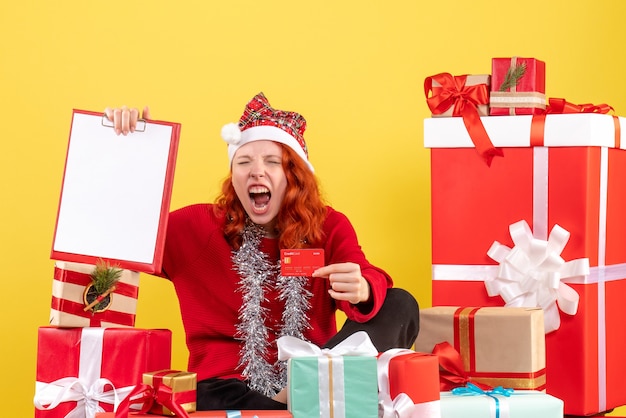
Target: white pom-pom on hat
x=231, y=133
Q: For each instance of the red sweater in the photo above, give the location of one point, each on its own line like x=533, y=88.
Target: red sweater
x=198, y=261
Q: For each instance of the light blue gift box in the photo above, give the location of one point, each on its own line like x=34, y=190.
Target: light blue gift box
x=519, y=404
x=333, y=387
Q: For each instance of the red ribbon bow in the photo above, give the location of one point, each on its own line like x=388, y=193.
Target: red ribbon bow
x=464, y=100
x=451, y=373
x=146, y=396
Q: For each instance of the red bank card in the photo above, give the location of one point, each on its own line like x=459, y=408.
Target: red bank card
x=301, y=262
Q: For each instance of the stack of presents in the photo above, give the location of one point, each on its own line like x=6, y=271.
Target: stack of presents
x=528, y=268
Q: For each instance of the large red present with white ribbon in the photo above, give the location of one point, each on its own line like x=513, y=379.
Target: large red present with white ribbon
x=527, y=226
x=82, y=371
x=70, y=302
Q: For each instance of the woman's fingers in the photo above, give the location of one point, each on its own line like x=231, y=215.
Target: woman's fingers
x=125, y=119
x=108, y=112
x=125, y=126
x=117, y=121
x=134, y=115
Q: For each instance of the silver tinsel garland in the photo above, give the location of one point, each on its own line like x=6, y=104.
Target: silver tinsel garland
x=257, y=276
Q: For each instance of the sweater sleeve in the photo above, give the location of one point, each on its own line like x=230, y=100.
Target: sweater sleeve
x=342, y=246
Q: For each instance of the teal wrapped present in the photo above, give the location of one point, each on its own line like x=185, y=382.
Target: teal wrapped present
x=470, y=401
x=341, y=382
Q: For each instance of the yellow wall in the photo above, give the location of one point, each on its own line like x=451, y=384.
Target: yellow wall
x=354, y=68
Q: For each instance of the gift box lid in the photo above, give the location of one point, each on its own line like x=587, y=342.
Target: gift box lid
x=561, y=130
x=520, y=404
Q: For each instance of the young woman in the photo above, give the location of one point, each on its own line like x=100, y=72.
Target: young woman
x=224, y=261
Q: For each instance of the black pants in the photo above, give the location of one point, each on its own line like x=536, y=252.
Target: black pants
x=395, y=326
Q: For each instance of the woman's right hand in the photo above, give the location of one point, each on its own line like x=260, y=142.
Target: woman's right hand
x=125, y=119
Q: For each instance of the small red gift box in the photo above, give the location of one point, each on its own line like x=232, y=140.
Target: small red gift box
x=518, y=86
x=94, y=366
x=408, y=380
x=183, y=390
x=70, y=289
x=574, y=178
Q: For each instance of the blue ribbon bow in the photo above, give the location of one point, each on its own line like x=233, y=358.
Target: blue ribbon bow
x=472, y=390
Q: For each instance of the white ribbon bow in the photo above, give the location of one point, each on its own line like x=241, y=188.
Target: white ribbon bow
x=531, y=273
x=49, y=396
x=357, y=344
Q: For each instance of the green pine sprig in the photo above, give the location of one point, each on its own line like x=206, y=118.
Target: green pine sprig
x=103, y=277
x=513, y=76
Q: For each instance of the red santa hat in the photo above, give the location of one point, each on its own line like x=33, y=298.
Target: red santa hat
x=261, y=122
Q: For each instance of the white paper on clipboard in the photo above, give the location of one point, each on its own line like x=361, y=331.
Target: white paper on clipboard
x=116, y=193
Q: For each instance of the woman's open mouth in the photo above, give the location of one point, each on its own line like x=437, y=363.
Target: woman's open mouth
x=259, y=197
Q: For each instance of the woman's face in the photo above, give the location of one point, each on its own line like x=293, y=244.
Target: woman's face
x=259, y=181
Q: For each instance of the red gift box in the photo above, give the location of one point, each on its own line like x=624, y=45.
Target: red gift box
x=69, y=287
x=527, y=97
x=408, y=381
x=87, y=370
x=215, y=414
x=574, y=181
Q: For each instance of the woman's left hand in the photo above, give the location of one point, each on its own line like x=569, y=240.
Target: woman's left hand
x=346, y=282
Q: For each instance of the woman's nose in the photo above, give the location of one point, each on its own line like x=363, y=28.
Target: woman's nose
x=256, y=170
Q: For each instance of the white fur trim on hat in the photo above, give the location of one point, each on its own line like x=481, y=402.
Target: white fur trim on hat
x=263, y=132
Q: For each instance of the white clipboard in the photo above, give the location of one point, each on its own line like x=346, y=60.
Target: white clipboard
x=116, y=191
